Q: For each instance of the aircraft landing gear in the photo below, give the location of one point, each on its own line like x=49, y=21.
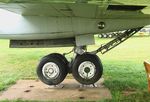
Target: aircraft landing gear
x=86, y=68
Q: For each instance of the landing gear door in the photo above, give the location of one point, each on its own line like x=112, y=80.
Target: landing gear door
x=83, y=40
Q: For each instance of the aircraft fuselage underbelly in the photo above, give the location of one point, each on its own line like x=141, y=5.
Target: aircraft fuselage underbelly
x=40, y=27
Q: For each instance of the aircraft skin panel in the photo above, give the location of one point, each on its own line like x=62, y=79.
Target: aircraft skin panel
x=52, y=9
x=45, y=20
x=37, y=36
x=87, y=10
x=35, y=27
x=133, y=2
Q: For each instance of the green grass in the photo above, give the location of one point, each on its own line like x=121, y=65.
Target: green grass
x=123, y=67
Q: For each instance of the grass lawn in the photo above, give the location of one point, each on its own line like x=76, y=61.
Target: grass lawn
x=123, y=67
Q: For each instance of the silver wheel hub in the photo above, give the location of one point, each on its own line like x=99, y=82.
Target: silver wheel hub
x=50, y=70
x=87, y=70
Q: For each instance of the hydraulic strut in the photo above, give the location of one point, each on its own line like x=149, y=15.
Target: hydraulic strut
x=117, y=41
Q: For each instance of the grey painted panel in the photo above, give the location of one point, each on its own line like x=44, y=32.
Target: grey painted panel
x=33, y=25
x=64, y=24
x=83, y=40
x=64, y=9
x=39, y=27
x=84, y=26
x=84, y=10
x=90, y=26
x=53, y=9
x=122, y=24
x=40, y=10
x=36, y=9
x=36, y=36
x=11, y=5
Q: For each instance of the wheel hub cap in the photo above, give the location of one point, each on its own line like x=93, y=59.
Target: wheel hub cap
x=50, y=70
x=86, y=70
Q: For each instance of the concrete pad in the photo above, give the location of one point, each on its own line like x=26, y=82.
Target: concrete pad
x=69, y=90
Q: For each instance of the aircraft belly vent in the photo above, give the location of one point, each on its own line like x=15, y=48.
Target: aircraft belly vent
x=125, y=7
x=66, y=42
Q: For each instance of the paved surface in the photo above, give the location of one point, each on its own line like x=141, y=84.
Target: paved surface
x=69, y=90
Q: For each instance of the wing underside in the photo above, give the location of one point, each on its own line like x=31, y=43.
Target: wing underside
x=69, y=8
x=53, y=19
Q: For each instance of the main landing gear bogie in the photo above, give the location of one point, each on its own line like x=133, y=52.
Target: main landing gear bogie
x=86, y=68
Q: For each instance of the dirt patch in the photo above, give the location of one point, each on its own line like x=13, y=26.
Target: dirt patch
x=71, y=90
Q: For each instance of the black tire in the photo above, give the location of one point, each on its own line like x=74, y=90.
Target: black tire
x=98, y=67
x=54, y=58
x=59, y=56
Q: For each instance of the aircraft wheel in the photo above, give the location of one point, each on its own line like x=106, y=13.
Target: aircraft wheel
x=62, y=58
x=52, y=69
x=87, y=69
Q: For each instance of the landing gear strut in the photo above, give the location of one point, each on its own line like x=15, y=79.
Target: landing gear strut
x=85, y=67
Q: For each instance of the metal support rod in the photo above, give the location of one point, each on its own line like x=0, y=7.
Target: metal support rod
x=117, y=41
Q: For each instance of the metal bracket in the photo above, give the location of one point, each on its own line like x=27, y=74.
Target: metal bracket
x=80, y=50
